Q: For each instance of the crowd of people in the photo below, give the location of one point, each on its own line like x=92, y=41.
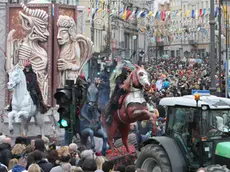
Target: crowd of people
x=170, y=77
x=39, y=155
x=179, y=76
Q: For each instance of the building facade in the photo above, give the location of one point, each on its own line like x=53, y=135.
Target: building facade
x=188, y=27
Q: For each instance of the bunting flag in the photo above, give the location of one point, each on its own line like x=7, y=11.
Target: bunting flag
x=179, y=13
x=204, y=12
x=120, y=11
x=159, y=15
x=139, y=14
x=128, y=14
x=163, y=16
x=187, y=13
x=150, y=13
x=196, y=14
x=193, y=14
x=216, y=11
x=201, y=12
x=99, y=10
x=94, y=13
x=89, y=11
x=97, y=3
x=124, y=14
x=143, y=14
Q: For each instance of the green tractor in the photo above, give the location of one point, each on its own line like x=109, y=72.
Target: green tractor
x=197, y=134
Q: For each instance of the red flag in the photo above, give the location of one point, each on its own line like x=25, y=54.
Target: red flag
x=163, y=16
x=88, y=11
x=201, y=12
x=128, y=14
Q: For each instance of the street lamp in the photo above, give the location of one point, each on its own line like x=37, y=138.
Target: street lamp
x=212, y=61
x=219, y=38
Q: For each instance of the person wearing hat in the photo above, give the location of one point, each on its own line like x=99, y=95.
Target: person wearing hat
x=117, y=93
x=32, y=85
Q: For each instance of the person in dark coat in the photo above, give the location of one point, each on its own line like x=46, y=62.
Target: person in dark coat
x=43, y=164
x=32, y=85
x=5, y=153
x=117, y=93
x=104, y=88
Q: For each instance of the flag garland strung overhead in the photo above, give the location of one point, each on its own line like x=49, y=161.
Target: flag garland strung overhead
x=128, y=13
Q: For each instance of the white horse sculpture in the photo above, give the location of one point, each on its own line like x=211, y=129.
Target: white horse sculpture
x=23, y=107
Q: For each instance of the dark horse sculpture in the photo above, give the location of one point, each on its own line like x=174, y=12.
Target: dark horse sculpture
x=90, y=119
x=133, y=107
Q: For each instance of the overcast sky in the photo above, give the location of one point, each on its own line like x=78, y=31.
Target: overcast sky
x=156, y=2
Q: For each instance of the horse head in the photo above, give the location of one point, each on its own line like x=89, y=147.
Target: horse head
x=138, y=79
x=15, y=77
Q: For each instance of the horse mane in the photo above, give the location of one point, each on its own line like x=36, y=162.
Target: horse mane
x=128, y=82
x=114, y=75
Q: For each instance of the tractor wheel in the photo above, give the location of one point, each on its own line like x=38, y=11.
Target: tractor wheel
x=217, y=168
x=153, y=158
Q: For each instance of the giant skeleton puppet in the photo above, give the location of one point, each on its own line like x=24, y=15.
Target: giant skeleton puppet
x=75, y=50
x=20, y=51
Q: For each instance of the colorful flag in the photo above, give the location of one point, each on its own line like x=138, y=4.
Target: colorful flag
x=179, y=12
x=128, y=14
x=216, y=11
x=187, y=13
x=139, y=14
x=196, y=14
x=201, y=12
x=204, y=12
x=125, y=14
x=193, y=14
x=150, y=13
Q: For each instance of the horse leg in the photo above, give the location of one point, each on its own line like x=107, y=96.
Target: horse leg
x=11, y=115
x=124, y=130
x=100, y=133
x=110, y=133
x=87, y=132
x=39, y=121
x=25, y=125
x=23, y=114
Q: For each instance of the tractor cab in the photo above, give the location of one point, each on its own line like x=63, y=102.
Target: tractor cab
x=200, y=124
x=197, y=135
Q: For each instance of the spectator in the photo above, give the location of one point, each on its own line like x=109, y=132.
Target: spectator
x=19, y=140
x=17, y=150
x=21, y=166
x=43, y=164
x=86, y=154
x=76, y=169
x=3, y=168
x=108, y=166
x=130, y=168
x=89, y=165
x=5, y=151
x=99, y=161
x=39, y=145
x=46, y=142
x=34, y=168
x=53, y=157
x=12, y=163
x=121, y=168
x=64, y=156
x=73, y=148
